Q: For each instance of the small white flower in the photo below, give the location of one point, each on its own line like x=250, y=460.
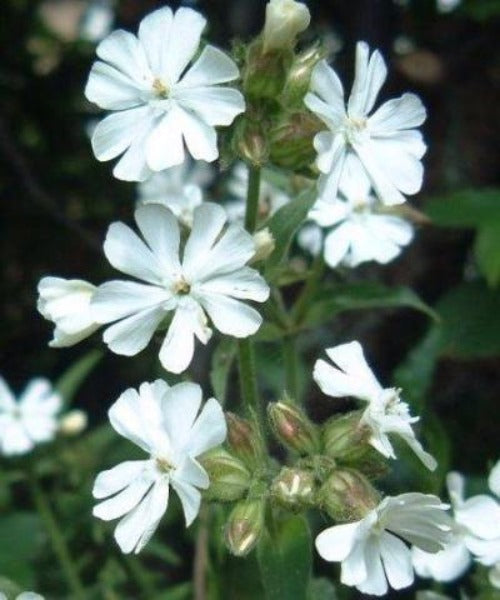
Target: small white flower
x=476, y=529
x=179, y=188
x=211, y=279
x=66, y=302
x=359, y=234
x=494, y=479
x=161, y=102
x=97, y=21
x=23, y=596
x=163, y=421
x=371, y=550
x=285, y=19
x=385, y=412
x=386, y=143
x=30, y=420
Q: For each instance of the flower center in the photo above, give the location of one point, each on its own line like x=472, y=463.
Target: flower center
x=355, y=129
x=160, y=89
x=163, y=465
x=182, y=287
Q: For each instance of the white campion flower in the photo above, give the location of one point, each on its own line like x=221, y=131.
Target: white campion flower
x=179, y=188
x=285, y=19
x=212, y=278
x=160, y=102
x=163, y=422
x=476, y=529
x=66, y=302
x=356, y=232
x=385, y=413
x=372, y=551
x=30, y=420
x=387, y=144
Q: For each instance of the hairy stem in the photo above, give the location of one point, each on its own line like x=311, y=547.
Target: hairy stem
x=56, y=537
x=253, y=193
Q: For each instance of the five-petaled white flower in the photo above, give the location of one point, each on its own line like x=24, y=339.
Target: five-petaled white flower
x=385, y=413
x=359, y=233
x=372, y=551
x=66, y=302
x=387, y=144
x=30, y=420
x=211, y=279
x=179, y=188
x=476, y=529
x=163, y=421
x=160, y=102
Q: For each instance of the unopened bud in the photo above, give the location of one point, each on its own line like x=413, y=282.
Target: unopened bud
x=346, y=438
x=293, y=489
x=291, y=426
x=243, y=440
x=244, y=527
x=291, y=143
x=264, y=244
x=73, y=423
x=347, y=495
x=285, y=19
x=250, y=143
x=299, y=76
x=229, y=478
x=266, y=71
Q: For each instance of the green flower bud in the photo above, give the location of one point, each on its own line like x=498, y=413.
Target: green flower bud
x=244, y=527
x=299, y=76
x=347, y=495
x=229, y=478
x=265, y=72
x=243, y=440
x=285, y=19
x=291, y=426
x=250, y=142
x=293, y=489
x=291, y=140
x=346, y=438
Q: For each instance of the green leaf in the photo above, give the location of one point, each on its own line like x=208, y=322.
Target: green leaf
x=222, y=362
x=487, y=249
x=336, y=299
x=465, y=208
x=321, y=588
x=283, y=225
x=70, y=381
x=285, y=560
x=22, y=530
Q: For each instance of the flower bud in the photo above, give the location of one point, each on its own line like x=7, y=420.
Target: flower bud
x=285, y=19
x=291, y=426
x=265, y=72
x=299, y=76
x=73, y=423
x=346, y=438
x=264, y=244
x=244, y=526
x=229, y=478
x=291, y=140
x=250, y=143
x=347, y=495
x=293, y=489
x=243, y=440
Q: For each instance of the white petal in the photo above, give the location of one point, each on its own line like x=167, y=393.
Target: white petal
x=328, y=212
x=354, y=183
x=351, y=359
x=7, y=399
x=327, y=85
x=200, y=137
x=396, y=558
x=191, y=473
x=126, y=500
x=13, y=439
x=403, y=169
x=211, y=68
x=213, y=105
x=123, y=51
x=129, y=254
x=337, y=384
x=164, y=146
x=375, y=582
x=154, y=32
x=335, y=543
x=494, y=479
x=177, y=349
x=328, y=184
x=133, y=165
x=131, y=335
x=39, y=397
x=135, y=530
x=330, y=116
x=209, y=429
x=428, y=460
x=245, y=283
x=370, y=75
x=447, y=565
x=230, y=316
x=456, y=488
x=179, y=406
x=39, y=427
x=337, y=244
x=481, y=516
x=111, y=89
x=405, y=112
x=392, y=228
x=355, y=567
x=113, y=480
x=190, y=499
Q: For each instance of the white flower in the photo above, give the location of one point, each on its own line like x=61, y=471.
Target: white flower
x=476, y=529
x=285, y=19
x=23, y=596
x=211, y=279
x=179, y=188
x=386, y=143
x=372, y=551
x=359, y=234
x=66, y=302
x=385, y=413
x=310, y=238
x=30, y=420
x=161, y=102
x=163, y=421
x=494, y=479
x=97, y=21
x=271, y=197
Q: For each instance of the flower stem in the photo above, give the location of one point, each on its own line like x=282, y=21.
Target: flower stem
x=58, y=542
x=290, y=359
x=253, y=193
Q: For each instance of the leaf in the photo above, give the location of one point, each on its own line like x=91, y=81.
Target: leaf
x=285, y=560
x=284, y=224
x=465, y=208
x=335, y=299
x=487, y=250
x=22, y=530
x=181, y=591
x=321, y=588
x=71, y=380
x=222, y=361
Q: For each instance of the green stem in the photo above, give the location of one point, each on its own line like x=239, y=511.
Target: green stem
x=253, y=193
x=291, y=366
x=248, y=382
x=308, y=291
x=58, y=542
